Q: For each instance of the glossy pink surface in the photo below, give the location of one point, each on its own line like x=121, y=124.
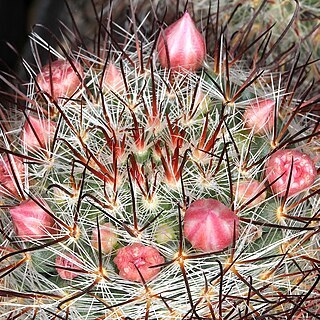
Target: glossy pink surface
x=186, y=45
x=209, y=225
x=30, y=221
x=259, y=116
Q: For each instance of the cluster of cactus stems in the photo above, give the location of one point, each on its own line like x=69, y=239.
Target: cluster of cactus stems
x=160, y=179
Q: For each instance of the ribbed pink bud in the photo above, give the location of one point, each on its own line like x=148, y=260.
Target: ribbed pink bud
x=259, y=116
x=186, y=46
x=71, y=262
x=7, y=181
x=138, y=256
x=107, y=236
x=30, y=221
x=209, y=225
x=247, y=190
x=37, y=132
x=112, y=79
x=59, y=79
x=279, y=164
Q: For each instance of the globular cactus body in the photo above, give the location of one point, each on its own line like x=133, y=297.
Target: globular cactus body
x=156, y=193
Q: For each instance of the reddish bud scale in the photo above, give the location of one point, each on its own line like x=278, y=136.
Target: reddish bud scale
x=259, y=116
x=38, y=132
x=209, y=225
x=135, y=256
x=279, y=165
x=59, y=79
x=7, y=181
x=30, y=221
x=72, y=262
x=186, y=48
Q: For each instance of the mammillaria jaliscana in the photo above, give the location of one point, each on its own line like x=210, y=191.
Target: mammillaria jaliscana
x=163, y=174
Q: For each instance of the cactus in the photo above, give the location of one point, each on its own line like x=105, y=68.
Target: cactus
x=130, y=190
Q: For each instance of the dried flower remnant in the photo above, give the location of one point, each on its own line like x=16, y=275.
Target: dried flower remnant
x=139, y=256
x=107, y=236
x=209, y=225
x=30, y=221
x=7, y=180
x=259, y=116
x=68, y=262
x=59, y=79
x=181, y=46
x=279, y=166
x=37, y=132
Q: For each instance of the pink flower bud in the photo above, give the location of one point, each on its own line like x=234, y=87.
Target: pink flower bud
x=186, y=46
x=37, y=132
x=107, y=236
x=112, y=79
x=71, y=262
x=209, y=225
x=30, y=221
x=279, y=164
x=7, y=180
x=59, y=79
x=259, y=116
x=246, y=190
x=138, y=256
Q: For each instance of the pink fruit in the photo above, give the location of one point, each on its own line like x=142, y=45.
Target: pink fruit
x=7, y=180
x=278, y=165
x=30, y=221
x=59, y=79
x=37, y=128
x=107, y=236
x=186, y=46
x=71, y=262
x=259, y=116
x=247, y=190
x=209, y=225
x=135, y=256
